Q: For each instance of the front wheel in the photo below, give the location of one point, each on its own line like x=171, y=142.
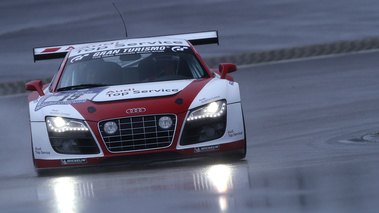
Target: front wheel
x=243, y=154
x=33, y=158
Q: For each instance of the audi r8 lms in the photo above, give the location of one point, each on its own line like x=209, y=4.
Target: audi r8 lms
x=134, y=99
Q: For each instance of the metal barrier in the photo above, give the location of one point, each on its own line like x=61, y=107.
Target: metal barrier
x=297, y=52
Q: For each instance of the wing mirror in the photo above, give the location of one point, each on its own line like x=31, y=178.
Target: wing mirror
x=225, y=68
x=35, y=86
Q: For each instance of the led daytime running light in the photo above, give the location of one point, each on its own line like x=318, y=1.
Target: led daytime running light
x=208, y=111
x=65, y=125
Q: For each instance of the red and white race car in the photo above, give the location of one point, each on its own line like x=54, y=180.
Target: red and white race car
x=134, y=99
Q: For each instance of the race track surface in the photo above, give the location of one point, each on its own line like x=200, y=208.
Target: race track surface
x=312, y=147
x=312, y=125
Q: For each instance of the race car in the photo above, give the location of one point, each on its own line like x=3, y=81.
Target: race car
x=133, y=99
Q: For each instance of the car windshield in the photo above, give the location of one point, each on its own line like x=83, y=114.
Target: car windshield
x=115, y=67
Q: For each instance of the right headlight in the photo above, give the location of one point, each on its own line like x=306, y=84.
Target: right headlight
x=59, y=124
x=70, y=136
x=211, y=110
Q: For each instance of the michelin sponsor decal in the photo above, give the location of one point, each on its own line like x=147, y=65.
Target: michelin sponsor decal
x=73, y=161
x=68, y=97
x=207, y=148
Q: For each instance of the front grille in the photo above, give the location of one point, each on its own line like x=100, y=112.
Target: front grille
x=138, y=133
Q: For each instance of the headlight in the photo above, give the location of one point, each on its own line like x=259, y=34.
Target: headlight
x=59, y=124
x=205, y=123
x=211, y=110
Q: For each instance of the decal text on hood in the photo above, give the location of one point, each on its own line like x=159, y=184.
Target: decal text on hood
x=146, y=90
x=113, y=93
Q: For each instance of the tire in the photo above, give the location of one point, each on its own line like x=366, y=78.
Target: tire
x=241, y=155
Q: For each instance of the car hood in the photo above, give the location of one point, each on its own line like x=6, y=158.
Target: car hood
x=101, y=103
x=144, y=90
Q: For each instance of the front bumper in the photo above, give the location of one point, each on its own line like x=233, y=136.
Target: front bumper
x=232, y=139
x=223, y=151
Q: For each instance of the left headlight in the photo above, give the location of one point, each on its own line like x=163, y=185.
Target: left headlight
x=59, y=124
x=211, y=110
x=205, y=123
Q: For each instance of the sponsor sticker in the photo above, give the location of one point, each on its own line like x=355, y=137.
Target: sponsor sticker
x=232, y=133
x=207, y=148
x=178, y=49
x=115, y=93
x=78, y=58
x=204, y=100
x=59, y=113
x=147, y=90
x=74, y=161
x=39, y=151
x=106, y=52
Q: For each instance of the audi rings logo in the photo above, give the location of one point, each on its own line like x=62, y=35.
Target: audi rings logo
x=136, y=110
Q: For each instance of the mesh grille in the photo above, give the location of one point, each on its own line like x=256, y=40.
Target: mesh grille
x=138, y=133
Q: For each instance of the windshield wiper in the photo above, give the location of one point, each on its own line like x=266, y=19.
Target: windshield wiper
x=81, y=86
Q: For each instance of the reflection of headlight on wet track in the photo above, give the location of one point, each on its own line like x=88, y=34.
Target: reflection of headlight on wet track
x=216, y=178
x=223, y=203
x=64, y=190
x=220, y=177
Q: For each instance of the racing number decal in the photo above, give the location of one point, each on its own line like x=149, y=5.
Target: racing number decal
x=70, y=97
x=66, y=98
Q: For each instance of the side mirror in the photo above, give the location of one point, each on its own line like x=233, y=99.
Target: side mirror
x=35, y=86
x=225, y=68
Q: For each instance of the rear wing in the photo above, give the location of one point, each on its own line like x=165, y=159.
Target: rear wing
x=198, y=38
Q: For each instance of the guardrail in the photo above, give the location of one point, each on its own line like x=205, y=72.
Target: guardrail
x=334, y=48
x=297, y=52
